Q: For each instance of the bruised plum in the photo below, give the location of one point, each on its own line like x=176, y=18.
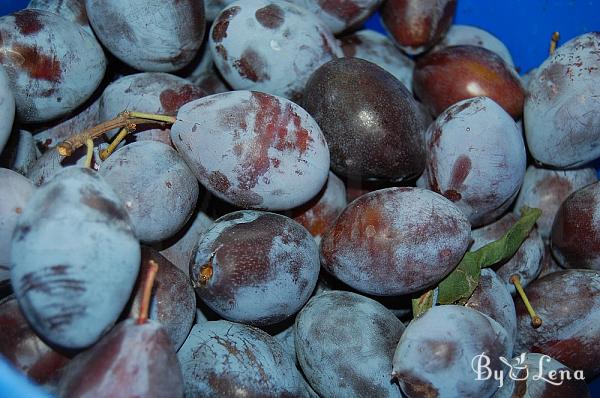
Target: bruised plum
x=24, y=349
x=74, y=258
x=318, y=215
x=437, y=352
x=132, y=360
x=416, y=25
x=148, y=92
x=252, y=149
x=52, y=63
x=226, y=359
x=526, y=262
x=575, y=236
x=374, y=47
x=476, y=158
x=455, y=73
x=562, y=123
x=395, y=241
x=157, y=187
x=149, y=35
x=255, y=267
x=338, y=361
x=546, y=189
x=374, y=135
x=340, y=15
x=173, y=302
x=270, y=46
x=569, y=304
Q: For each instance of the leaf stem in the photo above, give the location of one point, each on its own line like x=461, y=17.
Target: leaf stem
x=89, y=143
x=105, y=153
x=147, y=293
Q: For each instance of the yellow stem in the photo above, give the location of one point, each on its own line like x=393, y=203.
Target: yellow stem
x=152, y=116
x=553, y=41
x=89, y=143
x=105, y=153
x=147, y=293
x=536, y=321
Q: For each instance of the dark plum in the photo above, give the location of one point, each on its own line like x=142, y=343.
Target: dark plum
x=22, y=347
x=549, y=264
x=395, y=241
x=160, y=93
x=546, y=189
x=20, y=153
x=476, y=158
x=445, y=77
x=270, y=46
x=526, y=262
x=575, y=235
x=340, y=15
x=14, y=195
x=374, y=47
x=157, y=187
x=252, y=149
x=436, y=353
x=132, y=360
x=416, y=25
x=569, y=304
x=470, y=35
x=562, y=124
x=212, y=8
x=255, y=267
x=172, y=303
x=226, y=359
x=339, y=361
x=318, y=215
x=492, y=298
x=532, y=377
x=74, y=258
x=149, y=35
x=7, y=108
x=374, y=135
x=52, y=63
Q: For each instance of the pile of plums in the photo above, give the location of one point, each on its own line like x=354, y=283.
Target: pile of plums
x=251, y=199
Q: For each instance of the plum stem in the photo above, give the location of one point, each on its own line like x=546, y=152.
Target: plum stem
x=104, y=154
x=553, y=42
x=124, y=119
x=147, y=293
x=89, y=143
x=536, y=321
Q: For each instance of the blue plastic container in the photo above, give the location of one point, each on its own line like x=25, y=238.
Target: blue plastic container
x=525, y=26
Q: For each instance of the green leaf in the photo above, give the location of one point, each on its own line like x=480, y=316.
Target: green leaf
x=424, y=302
x=459, y=285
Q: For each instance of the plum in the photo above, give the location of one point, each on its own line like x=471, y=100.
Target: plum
x=374, y=47
x=149, y=35
x=74, y=258
x=476, y=158
x=73, y=10
x=416, y=25
x=443, y=78
x=562, y=124
x=575, y=235
x=345, y=343
x=252, y=149
x=569, y=304
x=21, y=152
x=7, y=108
x=227, y=359
x=340, y=15
x=436, y=353
x=270, y=46
x=53, y=64
x=395, y=241
x=546, y=189
x=470, y=35
x=526, y=262
x=374, y=135
x=158, y=188
x=255, y=267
